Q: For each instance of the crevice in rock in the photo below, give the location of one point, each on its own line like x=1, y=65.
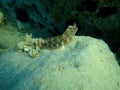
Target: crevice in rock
x=88, y=5
x=98, y=33
x=22, y=15
x=106, y=11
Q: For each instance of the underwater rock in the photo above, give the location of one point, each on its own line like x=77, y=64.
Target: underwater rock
x=9, y=36
x=84, y=64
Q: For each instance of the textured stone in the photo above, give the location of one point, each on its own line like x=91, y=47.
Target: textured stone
x=84, y=64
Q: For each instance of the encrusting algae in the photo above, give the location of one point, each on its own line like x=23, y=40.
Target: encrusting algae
x=33, y=45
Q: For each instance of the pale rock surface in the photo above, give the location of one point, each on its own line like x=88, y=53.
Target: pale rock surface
x=84, y=64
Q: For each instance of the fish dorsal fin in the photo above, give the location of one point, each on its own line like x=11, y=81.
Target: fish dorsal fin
x=71, y=30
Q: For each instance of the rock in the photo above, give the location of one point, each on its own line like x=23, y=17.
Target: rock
x=84, y=64
x=9, y=36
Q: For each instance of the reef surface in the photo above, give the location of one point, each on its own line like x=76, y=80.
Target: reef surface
x=84, y=64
